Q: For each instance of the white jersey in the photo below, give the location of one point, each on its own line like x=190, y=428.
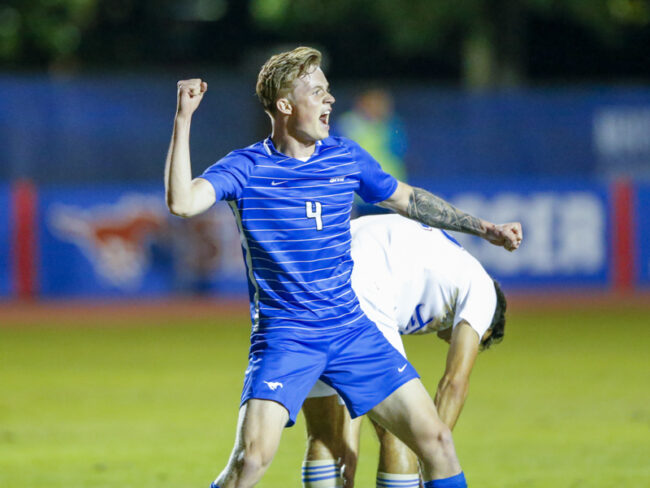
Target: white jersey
x=417, y=279
x=413, y=279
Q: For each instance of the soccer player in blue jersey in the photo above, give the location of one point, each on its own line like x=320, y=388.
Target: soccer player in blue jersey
x=291, y=196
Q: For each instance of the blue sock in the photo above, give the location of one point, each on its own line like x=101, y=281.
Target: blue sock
x=214, y=485
x=457, y=481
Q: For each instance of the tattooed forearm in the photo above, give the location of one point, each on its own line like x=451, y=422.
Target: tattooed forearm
x=434, y=211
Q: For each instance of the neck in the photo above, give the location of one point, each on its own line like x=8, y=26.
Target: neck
x=289, y=144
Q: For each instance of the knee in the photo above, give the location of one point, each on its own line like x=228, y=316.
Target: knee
x=438, y=440
x=252, y=462
x=443, y=437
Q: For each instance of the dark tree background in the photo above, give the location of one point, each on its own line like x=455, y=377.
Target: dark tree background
x=478, y=43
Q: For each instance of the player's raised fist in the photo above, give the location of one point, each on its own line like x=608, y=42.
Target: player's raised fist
x=508, y=235
x=190, y=93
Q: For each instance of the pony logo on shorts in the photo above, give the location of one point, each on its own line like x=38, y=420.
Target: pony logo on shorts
x=274, y=385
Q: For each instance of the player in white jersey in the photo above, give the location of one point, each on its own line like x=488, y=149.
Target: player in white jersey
x=410, y=279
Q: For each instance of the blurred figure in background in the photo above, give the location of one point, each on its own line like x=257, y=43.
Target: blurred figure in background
x=374, y=125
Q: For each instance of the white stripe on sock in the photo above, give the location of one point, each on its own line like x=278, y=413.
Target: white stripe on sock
x=324, y=473
x=389, y=480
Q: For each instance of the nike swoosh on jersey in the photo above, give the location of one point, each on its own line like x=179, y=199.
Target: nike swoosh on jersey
x=401, y=369
x=276, y=183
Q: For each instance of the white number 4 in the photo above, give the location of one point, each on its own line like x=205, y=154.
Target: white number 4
x=315, y=214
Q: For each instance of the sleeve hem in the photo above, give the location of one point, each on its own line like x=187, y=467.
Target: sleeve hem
x=218, y=192
x=388, y=195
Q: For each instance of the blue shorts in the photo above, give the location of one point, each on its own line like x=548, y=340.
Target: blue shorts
x=357, y=361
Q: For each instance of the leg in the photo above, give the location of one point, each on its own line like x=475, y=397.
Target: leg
x=332, y=436
x=394, y=456
x=410, y=414
x=398, y=465
x=352, y=437
x=259, y=429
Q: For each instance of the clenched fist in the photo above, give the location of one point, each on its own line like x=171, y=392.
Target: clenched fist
x=190, y=93
x=508, y=235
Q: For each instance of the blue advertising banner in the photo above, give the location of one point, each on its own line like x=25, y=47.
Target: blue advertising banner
x=5, y=240
x=99, y=128
x=542, y=131
x=112, y=127
x=643, y=233
x=565, y=223
x=120, y=241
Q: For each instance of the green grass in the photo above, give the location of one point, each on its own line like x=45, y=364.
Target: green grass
x=563, y=401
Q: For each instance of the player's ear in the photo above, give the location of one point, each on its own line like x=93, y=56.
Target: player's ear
x=283, y=105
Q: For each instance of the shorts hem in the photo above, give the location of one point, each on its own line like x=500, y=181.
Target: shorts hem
x=358, y=413
x=292, y=417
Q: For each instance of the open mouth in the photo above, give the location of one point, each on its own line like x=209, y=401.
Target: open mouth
x=325, y=118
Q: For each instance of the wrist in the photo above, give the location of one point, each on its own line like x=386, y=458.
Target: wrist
x=487, y=228
x=182, y=119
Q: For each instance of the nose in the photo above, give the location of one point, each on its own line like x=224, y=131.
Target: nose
x=330, y=99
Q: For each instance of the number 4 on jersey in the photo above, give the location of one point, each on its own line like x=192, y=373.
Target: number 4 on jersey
x=315, y=214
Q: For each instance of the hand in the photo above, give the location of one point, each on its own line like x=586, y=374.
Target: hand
x=190, y=93
x=508, y=236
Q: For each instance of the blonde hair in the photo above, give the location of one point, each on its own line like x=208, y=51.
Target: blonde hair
x=278, y=74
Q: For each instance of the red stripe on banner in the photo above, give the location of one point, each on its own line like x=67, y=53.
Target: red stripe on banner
x=23, y=239
x=624, y=258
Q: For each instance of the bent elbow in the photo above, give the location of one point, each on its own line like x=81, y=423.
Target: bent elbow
x=179, y=210
x=179, y=213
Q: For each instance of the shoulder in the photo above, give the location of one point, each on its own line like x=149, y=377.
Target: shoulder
x=478, y=299
x=254, y=153
x=340, y=141
x=244, y=158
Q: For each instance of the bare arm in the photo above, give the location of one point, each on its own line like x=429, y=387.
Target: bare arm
x=185, y=197
x=425, y=207
x=454, y=385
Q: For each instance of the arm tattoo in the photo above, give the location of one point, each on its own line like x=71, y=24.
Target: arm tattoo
x=434, y=211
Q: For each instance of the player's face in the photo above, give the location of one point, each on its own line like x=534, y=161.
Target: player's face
x=311, y=104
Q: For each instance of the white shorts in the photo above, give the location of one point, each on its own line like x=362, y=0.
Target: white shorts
x=321, y=389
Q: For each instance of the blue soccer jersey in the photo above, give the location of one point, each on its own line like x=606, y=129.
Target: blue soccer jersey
x=294, y=222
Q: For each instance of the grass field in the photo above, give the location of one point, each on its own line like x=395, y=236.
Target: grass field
x=148, y=400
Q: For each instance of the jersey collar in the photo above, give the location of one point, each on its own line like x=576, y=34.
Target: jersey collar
x=272, y=151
